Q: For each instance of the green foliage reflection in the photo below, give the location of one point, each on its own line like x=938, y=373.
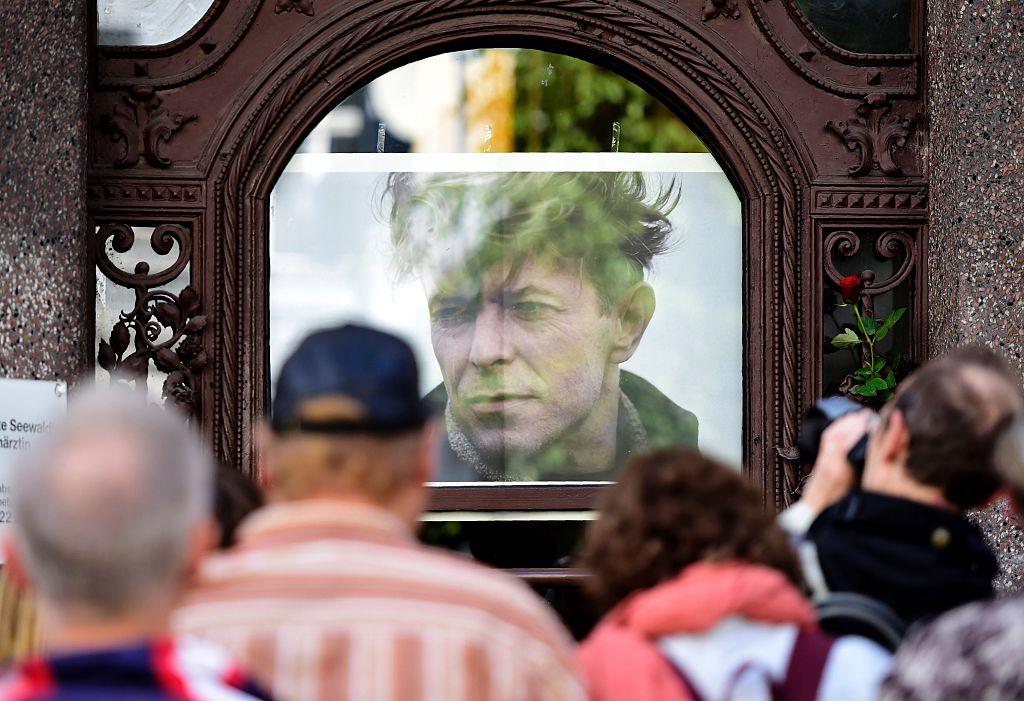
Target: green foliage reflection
x=565, y=104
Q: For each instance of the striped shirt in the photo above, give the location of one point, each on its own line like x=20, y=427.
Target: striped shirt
x=327, y=600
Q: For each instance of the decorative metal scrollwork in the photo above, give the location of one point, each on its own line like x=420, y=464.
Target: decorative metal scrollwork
x=889, y=246
x=162, y=327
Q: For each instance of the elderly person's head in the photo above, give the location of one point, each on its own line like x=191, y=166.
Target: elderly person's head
x=537, y=293
x=942, y=428
x=934, y=442
x=348, y=423
x=112, y=511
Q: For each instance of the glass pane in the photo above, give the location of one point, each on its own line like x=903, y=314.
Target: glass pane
x=146, y=22
x=567, y=268
x=864, y=26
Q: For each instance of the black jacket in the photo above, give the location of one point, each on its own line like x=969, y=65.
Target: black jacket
x=920, y=560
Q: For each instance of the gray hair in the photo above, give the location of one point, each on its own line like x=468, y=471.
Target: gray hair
x=105, y=504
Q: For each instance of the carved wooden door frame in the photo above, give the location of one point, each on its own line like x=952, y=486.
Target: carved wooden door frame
x=192, y=135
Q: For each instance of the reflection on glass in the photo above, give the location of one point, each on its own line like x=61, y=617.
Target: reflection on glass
x=568, y=308
x=146, y=22
x=536, y=292
x=864, y=26
x=564, y=104
x=502, y=101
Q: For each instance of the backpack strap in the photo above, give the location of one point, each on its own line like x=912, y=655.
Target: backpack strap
x=848, y=613
x=803, y=675
x=806, y=667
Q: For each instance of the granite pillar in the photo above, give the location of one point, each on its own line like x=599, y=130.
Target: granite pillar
x=44, y=303
x=976, y=242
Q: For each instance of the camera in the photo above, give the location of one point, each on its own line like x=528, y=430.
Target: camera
x=817, y=419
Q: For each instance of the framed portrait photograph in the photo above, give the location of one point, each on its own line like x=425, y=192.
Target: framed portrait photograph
x=568, y=310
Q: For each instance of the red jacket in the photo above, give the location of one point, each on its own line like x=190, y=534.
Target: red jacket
x=621, y=659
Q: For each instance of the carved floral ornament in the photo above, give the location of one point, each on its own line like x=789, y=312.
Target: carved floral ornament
x=876, y=135
x=162, y=328
x=142, y=125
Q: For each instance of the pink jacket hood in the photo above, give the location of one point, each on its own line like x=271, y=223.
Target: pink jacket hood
x=620, y=659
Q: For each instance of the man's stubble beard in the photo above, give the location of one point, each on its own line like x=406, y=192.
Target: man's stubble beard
x=497, y=449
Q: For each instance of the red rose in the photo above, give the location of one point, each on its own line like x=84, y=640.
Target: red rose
x=850, y=288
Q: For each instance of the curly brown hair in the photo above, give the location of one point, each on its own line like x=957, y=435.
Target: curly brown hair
x=670, y=509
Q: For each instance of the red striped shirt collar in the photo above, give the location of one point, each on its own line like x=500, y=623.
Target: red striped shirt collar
x=319, y=519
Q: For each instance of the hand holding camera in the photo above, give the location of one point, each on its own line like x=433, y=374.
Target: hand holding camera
x=833, y=438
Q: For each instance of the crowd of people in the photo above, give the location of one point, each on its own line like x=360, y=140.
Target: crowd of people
x=157, y=576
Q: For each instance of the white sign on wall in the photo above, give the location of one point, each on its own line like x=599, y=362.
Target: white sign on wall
x=27, y=411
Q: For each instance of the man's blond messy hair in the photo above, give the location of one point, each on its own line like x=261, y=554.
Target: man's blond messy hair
x=610, y=225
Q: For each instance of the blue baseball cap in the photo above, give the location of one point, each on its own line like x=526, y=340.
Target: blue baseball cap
x=372, y=368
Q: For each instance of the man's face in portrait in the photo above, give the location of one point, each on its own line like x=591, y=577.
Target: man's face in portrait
x=536, y=292
x=526, y=354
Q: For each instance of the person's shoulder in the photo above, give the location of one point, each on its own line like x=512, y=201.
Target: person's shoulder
x=206, y=669
x=26, y=682
x=494, y=592
x=500, y=607
x=854, y=670
x=972, y=649
x=967, y=626
x=618, y=662
x=861, y=655
x=666, y=422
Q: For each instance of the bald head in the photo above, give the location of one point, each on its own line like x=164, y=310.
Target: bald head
x=94, y=477
x=106, y=506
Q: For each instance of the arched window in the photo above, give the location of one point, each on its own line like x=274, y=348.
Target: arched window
x=560, y=249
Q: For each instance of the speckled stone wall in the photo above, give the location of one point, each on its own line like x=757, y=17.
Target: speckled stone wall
x=976, y=244
x=43, y=301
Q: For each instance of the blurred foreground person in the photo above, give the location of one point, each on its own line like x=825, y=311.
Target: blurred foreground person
x=235, y=496
x=327, y=593
x=899, y=536
x=975, y=651
x=112, y=513
x=704, y=596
